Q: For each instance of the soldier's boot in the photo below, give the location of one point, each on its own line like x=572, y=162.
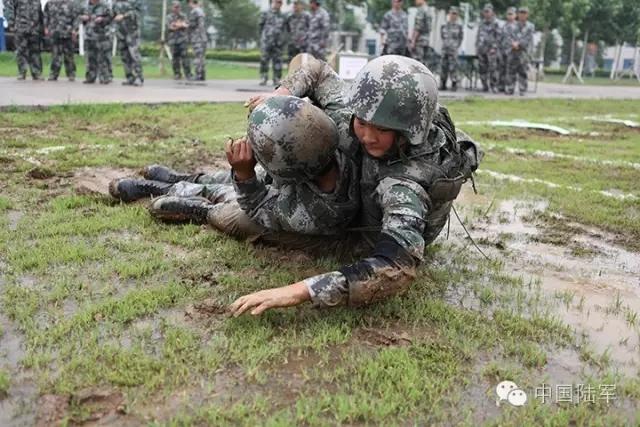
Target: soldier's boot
x=22, y=76
x=36, y=77
x=454, y=86
x=443, y=85
x=264, y=81
x=88, y=82
x=72, y=78
x=129, y=189
x=181, y=209
x=53, y=78
x=165, y=174
x=276, y=82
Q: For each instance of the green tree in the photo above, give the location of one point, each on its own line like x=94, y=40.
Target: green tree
x=237, y=23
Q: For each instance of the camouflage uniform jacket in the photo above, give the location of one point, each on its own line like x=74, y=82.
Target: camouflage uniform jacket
x=24, y=15
x=98, y=30
x=129, y=26
x=197, y=28
x=422, y=26
x=60, y=18
x=508, y=36
x=394, y=190
x=298, y=28
x=272, y=28
x=396, y=26
x=524, y=35
x=489, y=36
x=319, y=25
x=300, y=206
x=179, y=36
x=451, y=34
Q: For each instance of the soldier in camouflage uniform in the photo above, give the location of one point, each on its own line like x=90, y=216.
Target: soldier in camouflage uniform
x=60, y=16
x=319, y=26
x=413, y=165
x=307, y=184
x=421, y=33
x=178, y=40
x=272, y=30
x=451, y=34
x=508, y=34
x=488, y=49
x=198, y=39
x=25, y=17
x=394, y=30
x=298, y=28
x=518, y=59
x=98, y=44
x=128, y=36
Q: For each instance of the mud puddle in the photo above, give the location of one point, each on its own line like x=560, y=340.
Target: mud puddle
x=595, y=283
x=96, y=180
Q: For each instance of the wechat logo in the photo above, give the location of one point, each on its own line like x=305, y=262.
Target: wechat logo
x=509, y=391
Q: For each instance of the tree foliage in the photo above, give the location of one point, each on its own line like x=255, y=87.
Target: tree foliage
x=237, y=22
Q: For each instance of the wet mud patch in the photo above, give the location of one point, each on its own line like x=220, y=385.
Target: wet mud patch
x=86, y=406
x=95, y=181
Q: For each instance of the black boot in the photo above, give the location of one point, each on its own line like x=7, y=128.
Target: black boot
x=181, y=209
x=165, y=174
x=454, y=86
x=130, y=190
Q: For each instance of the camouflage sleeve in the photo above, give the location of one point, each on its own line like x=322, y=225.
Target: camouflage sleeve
x=257, y=200
x=9, y=11
x=47, y=12
x=385, y=24
x=326, y=24
x=263, y=20
x=460, y=36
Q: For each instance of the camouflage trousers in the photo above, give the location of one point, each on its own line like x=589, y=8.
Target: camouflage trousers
x=199, y=62
x=129, y=48
x=28, y=54
x=99, y=60
x=396, y=49
x=449, y=68
x=488, y=69
x=421, y=54
x=180, y=60
x=62, y=50
x=317, y=51
x=517, y=68
x=294, y=50
x=271, y=53
x=502, y=67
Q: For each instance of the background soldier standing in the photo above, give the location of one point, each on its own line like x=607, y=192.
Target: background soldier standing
x=198, y=39
x=394, y=30
x=178, y=39
x=451, y=34
x=128, y=36
x=59, y=19
x=508, y=34
x=272, y=29
x=519, y=56
x=25, y=17
x=97, y=20
x=298, y=28
x=421, y=33
x=318, y=30
x=487, y=45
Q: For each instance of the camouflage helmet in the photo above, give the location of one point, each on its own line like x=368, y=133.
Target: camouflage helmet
x=291, y=138
x=396, y=92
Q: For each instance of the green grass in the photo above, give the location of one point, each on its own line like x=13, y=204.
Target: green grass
x=593, y=81
x=215, y=69
x=98, y=291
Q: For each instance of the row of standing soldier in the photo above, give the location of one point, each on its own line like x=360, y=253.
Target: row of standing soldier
x=60, y=21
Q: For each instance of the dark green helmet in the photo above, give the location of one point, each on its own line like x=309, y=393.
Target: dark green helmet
x=291, y=138
x=396, y=92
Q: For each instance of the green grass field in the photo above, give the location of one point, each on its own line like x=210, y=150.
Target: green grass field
x=219, y=70
x=595, y=81
x=116, y=317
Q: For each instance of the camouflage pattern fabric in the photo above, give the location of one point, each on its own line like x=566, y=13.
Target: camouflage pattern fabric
x=398, y=198
x=319, y=26
x=26, y=18
x=518, y=60
x=451, y=34
x=488, y=51
x=98, y=43
x=272, y=31
x=178, y=40
x=396, y=27
x=198, y=39
x=508, y=36
x=298, y=29
x=422, y=25
x=128, y=36
x=60, y=18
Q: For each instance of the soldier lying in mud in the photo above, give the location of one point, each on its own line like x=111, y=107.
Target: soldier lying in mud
x=412, y=164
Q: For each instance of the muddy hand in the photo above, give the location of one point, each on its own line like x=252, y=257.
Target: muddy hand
x=258, y=302
x=256, y=100
x=240, y=157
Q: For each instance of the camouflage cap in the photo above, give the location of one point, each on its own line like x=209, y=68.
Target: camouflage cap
x=291, y=138
x=487, y=7
x=454, y=9
x=523, y=9
x=511, y=10
x=396, y=92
